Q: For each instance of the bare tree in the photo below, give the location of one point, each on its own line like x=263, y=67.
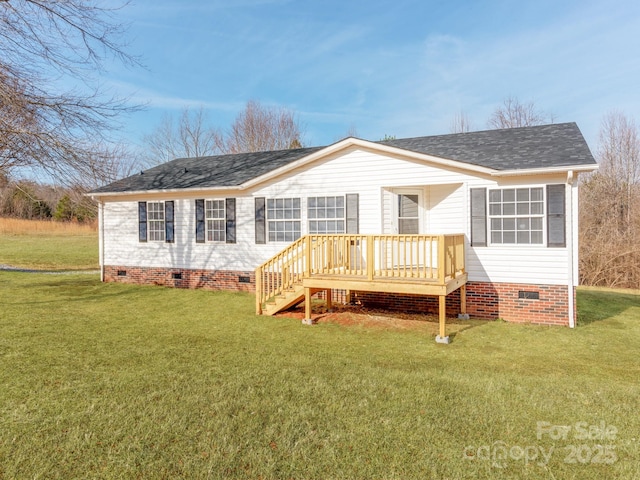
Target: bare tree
x=619, y=152
x=512, y=114
x=260, y=128
x=460, y=123
x=44, y=44
x=352, y=131
x=189, y=137
x=610, y=208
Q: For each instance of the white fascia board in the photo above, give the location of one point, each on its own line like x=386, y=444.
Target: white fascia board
x=357, y=142
x=98, y=195
x=543, y=171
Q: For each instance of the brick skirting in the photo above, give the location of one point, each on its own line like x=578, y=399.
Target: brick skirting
x=484, y=300
x=487, y=301
x=182, y=278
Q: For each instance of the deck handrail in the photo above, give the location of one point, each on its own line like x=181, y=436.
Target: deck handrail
x=433, y=258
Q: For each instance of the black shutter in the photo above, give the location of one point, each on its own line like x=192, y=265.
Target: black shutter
x=230, y=207
x=200, y=230
x=479, y=217
x=261, y=221
x=556, y=235
x=168, y=222
x=352, y=213
x=142, y=221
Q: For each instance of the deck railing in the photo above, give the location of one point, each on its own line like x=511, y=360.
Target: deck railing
x=433, y=258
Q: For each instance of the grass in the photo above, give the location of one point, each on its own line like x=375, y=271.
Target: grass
x=48, y=245
x=121, y=381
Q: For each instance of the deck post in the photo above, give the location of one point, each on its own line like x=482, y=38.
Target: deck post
x=307, y=307
x=307, y=254
x=442, y=314
x=370, y=257
x=463, y=315
x=442, y=259
x=258, y=291
x=327, y=294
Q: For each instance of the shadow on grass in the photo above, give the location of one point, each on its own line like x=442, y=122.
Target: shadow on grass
x=599, y=305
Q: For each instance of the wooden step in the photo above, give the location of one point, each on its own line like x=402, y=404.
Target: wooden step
x=282, y=302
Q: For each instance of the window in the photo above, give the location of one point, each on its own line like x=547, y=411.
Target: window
x=283, y=219
x=216, y=222
x=516, y=215
x=326, y=214
x=155, y=218
x=408, y=214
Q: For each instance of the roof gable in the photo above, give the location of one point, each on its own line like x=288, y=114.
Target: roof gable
x=526, y=148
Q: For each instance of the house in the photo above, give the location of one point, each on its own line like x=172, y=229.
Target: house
x=483, y=223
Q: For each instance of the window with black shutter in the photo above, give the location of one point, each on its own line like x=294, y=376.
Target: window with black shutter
x=479, y=217
x=556, y=230
x=168, y=222
x=142, y=221
x=260, y=220
x=200, y=226
x=353, y=213
x=230, y=207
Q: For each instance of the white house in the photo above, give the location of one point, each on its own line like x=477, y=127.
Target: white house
x=499, y=208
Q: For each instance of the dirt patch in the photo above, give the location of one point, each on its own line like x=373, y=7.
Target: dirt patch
x=356, y=315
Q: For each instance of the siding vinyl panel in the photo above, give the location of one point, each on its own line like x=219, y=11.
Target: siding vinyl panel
x=355, y=171
x=447, y=206
x=518, y=264
x=365, y=173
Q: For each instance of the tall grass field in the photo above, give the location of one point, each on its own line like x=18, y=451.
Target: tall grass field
x=124, y=381
x=48, y=245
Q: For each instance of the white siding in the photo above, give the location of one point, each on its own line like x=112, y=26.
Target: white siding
x=447, y=209
x=375, y=178
x=518, y=264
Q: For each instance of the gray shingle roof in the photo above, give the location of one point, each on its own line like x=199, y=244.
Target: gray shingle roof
x=555, y=145
x=543, y=146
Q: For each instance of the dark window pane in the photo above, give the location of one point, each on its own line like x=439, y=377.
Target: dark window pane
x=522, y=194
x=523, y=224
x=509, y=209
x=509, y=224
x=509, y=195
x=536, y=237
x=523, y=209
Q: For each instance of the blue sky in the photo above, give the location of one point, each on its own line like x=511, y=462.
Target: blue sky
x=401, y=68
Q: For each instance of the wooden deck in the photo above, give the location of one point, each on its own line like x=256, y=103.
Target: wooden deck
x=410, y=264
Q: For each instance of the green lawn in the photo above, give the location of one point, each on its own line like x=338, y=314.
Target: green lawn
x=50, y=251
x=117, y=381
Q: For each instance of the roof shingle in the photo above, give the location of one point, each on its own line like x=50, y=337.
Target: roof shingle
x=544, y=146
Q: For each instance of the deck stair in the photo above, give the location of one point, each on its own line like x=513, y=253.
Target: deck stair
x=287, y=299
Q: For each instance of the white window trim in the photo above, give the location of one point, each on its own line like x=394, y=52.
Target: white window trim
x=207, y=219
x=343, y=219
x=151, y=222
x=268, y=220
x=490, y=243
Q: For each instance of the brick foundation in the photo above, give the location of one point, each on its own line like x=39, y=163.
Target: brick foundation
x=207, y=279
x=487, y=301
x=484, y=300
